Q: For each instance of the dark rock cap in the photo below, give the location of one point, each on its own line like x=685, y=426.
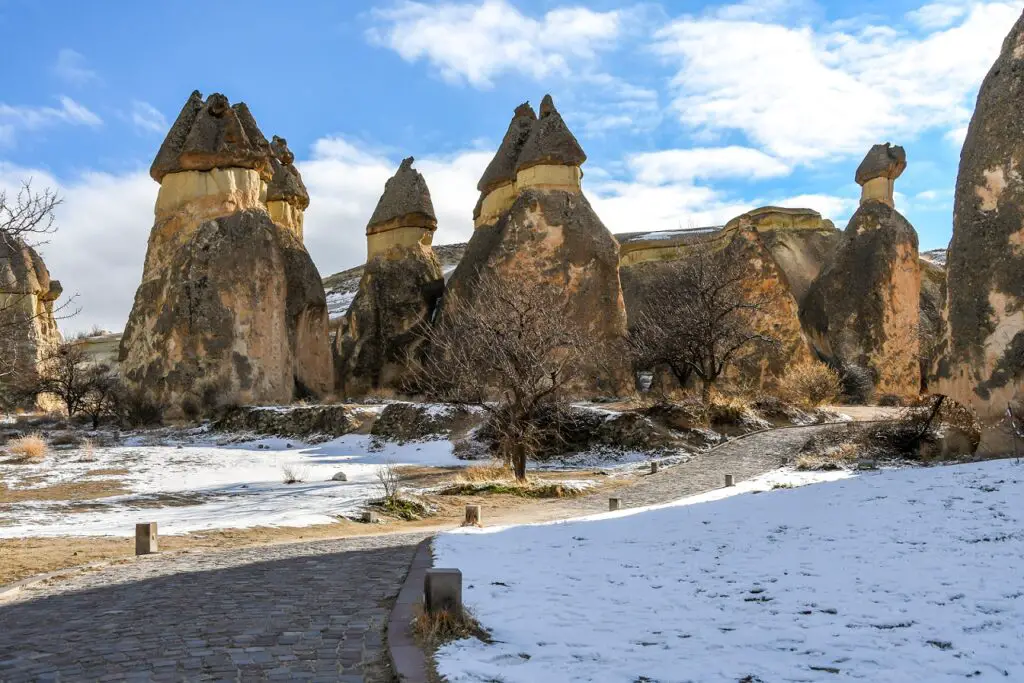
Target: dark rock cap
x=212, y=134
x=550, y=141
x=502, y=168
x=286, y=184
x=405, y=194
x=883, y=161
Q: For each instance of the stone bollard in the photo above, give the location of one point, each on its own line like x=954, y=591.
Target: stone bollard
x=473, y=516
x=370, y=517
x=442, y=591
x=613, y=504
x=729, y=481
x=865, y=464
x=654, y=468
x=145, y=538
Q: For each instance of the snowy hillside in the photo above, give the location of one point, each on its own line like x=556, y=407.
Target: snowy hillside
x=910, y=575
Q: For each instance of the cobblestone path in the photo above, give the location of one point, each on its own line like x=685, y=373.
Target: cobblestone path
x=306, y=611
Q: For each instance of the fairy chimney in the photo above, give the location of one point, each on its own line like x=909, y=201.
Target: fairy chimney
x=877, y=174
x=399, y=288
x=231, y=307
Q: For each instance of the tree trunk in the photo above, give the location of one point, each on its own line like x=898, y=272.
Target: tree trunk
x=705, y=392
x=519, y=461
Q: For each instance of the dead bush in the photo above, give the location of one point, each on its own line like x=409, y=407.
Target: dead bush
x=434, y=629
x=389, y=483
x=494, y=471
x=727, y=409
x=30, y=448
x=834, y=458
x=138, y=410
x=811, y=384
x=858, y=384
x=293, y=474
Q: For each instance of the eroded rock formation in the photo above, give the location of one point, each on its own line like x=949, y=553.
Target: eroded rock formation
x=982, y=361
x=863, y=309
x=28, y=329
x=287, y=199
x=231, y=307
x=533, y=221
x=399, y=288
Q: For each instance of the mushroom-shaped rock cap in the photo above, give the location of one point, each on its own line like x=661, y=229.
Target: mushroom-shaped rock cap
x=883, y=161
x=405, y=196
x=212, y=134
x=550, y=141
x=286, y=184
x=502, y=168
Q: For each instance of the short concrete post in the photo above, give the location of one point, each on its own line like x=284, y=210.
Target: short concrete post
x=865, y=464
x=729, y=481
x=370, y=517
x=473, y=516
x=145, y=538
x=613, y=504
x=654, y=468
x=442, y=591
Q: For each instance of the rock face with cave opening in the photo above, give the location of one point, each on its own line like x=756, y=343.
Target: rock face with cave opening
x=981, y=360
x=533, y=221
x=399, y=288
x=864, y=307
x=231, y=308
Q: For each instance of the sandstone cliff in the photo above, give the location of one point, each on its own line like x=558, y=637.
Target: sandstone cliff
x=538, y=224
x=398, y=289
x=982, y=359
x=864, y=307
x=230, y=305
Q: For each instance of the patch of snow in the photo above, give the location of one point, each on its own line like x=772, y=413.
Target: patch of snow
x=338, y=303
x=900, y=575
x=213, y=486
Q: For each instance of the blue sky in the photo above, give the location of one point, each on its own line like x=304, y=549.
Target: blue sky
x=690, y=112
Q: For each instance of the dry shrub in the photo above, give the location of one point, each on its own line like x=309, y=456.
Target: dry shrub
x=811, y=384
x=31, y=448
x=494, y=471
x=292, y=474
x=88, y=451
x=835, y=458
x=727, y=409
x=389, y=483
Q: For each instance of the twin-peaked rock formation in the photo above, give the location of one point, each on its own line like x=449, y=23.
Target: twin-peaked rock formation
x=399, y=288
x=864, y=307
x=981, y=360
x=533, y=221
x=231, y=307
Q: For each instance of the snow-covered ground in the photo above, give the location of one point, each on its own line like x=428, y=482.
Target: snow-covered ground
x=195, y=486
x=899, y=575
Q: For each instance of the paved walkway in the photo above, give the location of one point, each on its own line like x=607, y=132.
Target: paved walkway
x=307, y=611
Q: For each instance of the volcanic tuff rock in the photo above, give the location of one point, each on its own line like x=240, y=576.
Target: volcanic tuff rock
x=864, y=308
x=878, y=172
x=982, y=359
x=287, y=198
x=27, y=294
x=230, y=303
x=541, y=226
x=399, y=288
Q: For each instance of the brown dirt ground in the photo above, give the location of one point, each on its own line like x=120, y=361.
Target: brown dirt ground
x=73, y=491
x=21, y=558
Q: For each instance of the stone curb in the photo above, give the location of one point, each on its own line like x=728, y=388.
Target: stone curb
x=408, y=661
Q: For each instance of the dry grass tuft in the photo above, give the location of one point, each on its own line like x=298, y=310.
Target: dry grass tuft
x=31, y=448
x=494, y=471
x=728, y=409
x=88, y=451
x=432, y=630
x=292, y=474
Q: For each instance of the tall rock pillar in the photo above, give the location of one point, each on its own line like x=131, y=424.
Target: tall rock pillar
x=864, y=308
x=231, y=307
x=981, y=362
x=400, y=286
x=533, y=221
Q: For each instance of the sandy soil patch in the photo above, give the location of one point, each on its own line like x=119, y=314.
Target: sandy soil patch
x=70, y=491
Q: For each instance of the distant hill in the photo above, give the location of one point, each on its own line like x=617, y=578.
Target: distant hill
x=936, y=256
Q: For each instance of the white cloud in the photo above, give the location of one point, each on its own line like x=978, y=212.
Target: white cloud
x=14, y=118
x=685, y=165
x=147, y=119
x=71, y=68
x=838, y=209
x=475, y=42
x=821, y=93
x=938, y=15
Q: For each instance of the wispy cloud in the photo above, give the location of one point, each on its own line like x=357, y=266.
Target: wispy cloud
x=71, y=68
x=146, y=118
x=21, y=117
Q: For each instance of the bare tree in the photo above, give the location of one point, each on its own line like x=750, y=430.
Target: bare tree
x=28, y=215
x=103, y=395
x=64, y=372
x=513, y=349
x=698, y=316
